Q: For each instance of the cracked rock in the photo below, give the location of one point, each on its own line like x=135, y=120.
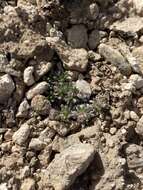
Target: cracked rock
x=77, y=158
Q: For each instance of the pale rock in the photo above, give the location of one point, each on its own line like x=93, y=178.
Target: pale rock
x=93, y=11
x=138, y=54
x=83, y=88
x=28, y=184
x=88, y=134
x=136, y=80
x=33, y=44
x=36, y=144
x=93, y=56
x=38, y=88
x=3, y=186
x=41, y=105
x=73, y=59
x=60, y=128
x=139, y=127
x=23, y=109
x=128, y=86
x=113, y=131
x=134, y=116
x=130, y=24
x=47, y=134
x=77, y=36
x=21, y=135
x=115, y=57
x=25, y=172
x=45, y=156
x=138, y=5
x=77, y=158
x=28, y=76
x=7, y=87
x=94, y=39
x=41, y=69
x=134, y=154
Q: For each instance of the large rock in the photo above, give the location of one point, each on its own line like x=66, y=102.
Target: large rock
x=77, y=36
x=115, y=57
x=83, y=88
x=136, y=80
x=21, y=135
x=73, y=59
x=131, y=25
x=7, y=87
x=33, y=44
x=69, y=164
x=37, y=89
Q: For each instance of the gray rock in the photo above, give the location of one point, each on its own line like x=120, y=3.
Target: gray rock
x=39, y=88
x=21, y=135
x=136, y=80
x=41, y=105
x=36, y=144
x=28, y=76
x=7, y=87
x=69, y=164
x=94, y=39
x=115, y=57
x=23, y=109
x=83, y=88
x=77, y=36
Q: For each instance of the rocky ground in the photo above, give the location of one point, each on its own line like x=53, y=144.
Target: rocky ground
x=71, y=95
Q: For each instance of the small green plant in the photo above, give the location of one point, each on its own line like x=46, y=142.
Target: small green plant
x=61, y=90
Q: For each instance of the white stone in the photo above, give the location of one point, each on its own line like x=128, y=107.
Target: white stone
x=131, y=24
x=23, y=109
x=134, y=116
x=73, y=59
x=28, y=76
x=21, y=135
x=36, y=144
x=84, y=88
x=7, y=87
x=39, y=88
